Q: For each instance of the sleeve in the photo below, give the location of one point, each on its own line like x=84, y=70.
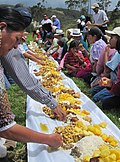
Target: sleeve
x=6, y=116
x=113, y=63
x=62, y=61
x=66, y=60
x=105, y=18
x=100, y=63
x=94, y=52
x=21, y=49
x=15, y=64
x=115, y=89
x=55, y=23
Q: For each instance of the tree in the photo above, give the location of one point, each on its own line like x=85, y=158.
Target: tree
x=41, y=4
x=118, y=5
x=115, y=14
x=38, y=10
x=76, y=4
x=105, y=4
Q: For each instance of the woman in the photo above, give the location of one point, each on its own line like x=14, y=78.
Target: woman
x=112, y=98
x=12, y=25
x=96, y=38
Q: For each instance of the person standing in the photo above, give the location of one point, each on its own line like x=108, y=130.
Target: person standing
x=46, y=26
x=99, y=17
x=12, y=26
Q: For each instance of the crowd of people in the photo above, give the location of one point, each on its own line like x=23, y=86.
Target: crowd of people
x=86, y=52
x=89, y=51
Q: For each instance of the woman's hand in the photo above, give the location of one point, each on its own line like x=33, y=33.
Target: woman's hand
x=47, y=53
x=105, y=82
x=81, y=48
x=107, y=49
x=72, y=68
x=59, y=113
x=55, y=140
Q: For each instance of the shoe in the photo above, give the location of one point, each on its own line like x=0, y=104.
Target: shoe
x=4, y=159
x=10, y=144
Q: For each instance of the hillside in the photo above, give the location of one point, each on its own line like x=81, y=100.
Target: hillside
x=67, y=17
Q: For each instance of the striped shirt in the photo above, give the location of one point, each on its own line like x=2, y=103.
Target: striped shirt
x=15, y=64
x=73, y=60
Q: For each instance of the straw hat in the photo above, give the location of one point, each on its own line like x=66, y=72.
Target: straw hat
x=115, y=31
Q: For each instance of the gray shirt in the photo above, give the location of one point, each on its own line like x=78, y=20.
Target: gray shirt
x=17, y=67
x=100, y=17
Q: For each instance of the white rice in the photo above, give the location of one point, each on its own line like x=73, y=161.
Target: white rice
x=88, y=145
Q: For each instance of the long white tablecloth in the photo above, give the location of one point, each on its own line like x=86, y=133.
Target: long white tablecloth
x=35, y=116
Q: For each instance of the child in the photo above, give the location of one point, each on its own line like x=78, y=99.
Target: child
x=57, y=55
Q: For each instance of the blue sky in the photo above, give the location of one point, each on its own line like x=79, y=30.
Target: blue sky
x=50, y=3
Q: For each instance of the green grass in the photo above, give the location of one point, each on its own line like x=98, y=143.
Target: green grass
x=17, y=100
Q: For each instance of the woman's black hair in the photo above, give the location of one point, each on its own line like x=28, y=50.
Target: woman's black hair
x=13, y=19
x=25, y=13
x=74, y=44
x=96, y=31
x=60, y=43
x=118, y=44
x=50, y=35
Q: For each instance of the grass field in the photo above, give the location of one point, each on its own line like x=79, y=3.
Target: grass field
x=17, y=99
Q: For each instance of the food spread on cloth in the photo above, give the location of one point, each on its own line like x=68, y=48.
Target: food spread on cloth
x=85, y=141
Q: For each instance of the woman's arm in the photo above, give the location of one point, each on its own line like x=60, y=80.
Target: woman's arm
x=32, y=57
x=22, y=134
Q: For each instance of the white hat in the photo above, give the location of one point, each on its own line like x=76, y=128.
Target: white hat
x=53, y=16
x=40, y=26
x=78, y=21
x=59, y=32
x=115, y=31
x=76, y=33
x=95, y=5
x=37, y=31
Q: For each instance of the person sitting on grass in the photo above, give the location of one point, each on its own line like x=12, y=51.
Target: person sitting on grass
x=50, y=44
x=110, y=95
x=75, y=63
x=58, y=54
